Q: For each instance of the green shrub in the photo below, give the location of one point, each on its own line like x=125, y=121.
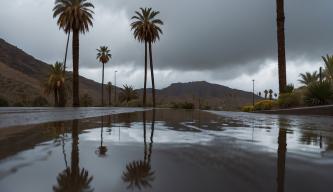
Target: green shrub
x=3, y=102
x=182, y=105
x=86, y=100
x=287, y=100
x=247, y=108
x=135, y=103
x=265, y=105
x=40, y=102
x=319, y=93
x=289, y=88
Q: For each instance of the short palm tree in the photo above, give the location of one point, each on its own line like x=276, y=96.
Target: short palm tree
x=329, y=67
x=270, y=94
x=147, y=29
x=103, y=56
x=74, y=16
x=266, y=93
x=128, y=94
x=55, y=81
x=308, y=78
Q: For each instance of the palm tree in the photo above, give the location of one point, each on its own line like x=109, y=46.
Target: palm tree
x=146, y=29
x=128, y=94
x=109, y=92
x=266, y=93
x=74, y=16
x=54, y=82
x=270, y=94
x=103, y=56
x=281, y=45
x=308, y=78
x=329, y=67
x=101, y=150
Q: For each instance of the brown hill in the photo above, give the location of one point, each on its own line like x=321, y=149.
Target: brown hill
x=202, y=93
x=22, y=76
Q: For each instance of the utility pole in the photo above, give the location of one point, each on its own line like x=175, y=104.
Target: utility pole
x=115, y=88
x=253, y=93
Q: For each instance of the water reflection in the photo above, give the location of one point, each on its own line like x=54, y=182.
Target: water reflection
x=138, y=173
x=281, y=160
x=74, y=178
x=101, y=150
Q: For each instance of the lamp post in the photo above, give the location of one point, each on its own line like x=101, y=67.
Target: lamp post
x=253, y=93
x=115, y=88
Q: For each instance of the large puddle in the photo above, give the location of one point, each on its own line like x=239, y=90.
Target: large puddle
x=170, y=151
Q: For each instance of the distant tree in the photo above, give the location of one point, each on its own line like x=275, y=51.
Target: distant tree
x=266, y=93
x=259, y=94
x=127, y=94
x=54, y=82
x=270, y=94
x=275, y=95
x=74, y=16
x=103, y=56
x=308, y=78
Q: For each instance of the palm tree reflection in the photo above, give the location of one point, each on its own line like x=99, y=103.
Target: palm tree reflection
x=74, y=179
x=139, y=174
x=281, y=161
x=101, y=151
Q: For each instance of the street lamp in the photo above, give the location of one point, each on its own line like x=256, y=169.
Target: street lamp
x=115, y=89
x=253, y=93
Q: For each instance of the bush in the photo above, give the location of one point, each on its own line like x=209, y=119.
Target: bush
x=289, y=88
x=182, y=105
x=3, y=102
x=40, y=102
x=319, y=93
x=135, y=103
x=86, y=100
x=248, y=108
x=265, y=105
x=287, y=100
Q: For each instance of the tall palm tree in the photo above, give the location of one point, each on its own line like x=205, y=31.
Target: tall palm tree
x=147, y=29
x=281, y=45
x=103, y=56
x=55, y=80
x=308, y=78
x=329, y=67
x=128, y=94
x=74, y=16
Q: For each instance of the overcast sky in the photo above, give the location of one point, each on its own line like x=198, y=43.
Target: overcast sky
x=229, y=42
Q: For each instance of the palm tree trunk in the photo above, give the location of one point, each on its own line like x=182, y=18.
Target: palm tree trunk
x=103, y=86
x=281, y=45
x=65, y=59
x=145, y=81
x=62, y=94
x=76, y=44
x=75, y=148
x=152, y=73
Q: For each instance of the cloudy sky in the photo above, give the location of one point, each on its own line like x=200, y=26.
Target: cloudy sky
x=229, y=42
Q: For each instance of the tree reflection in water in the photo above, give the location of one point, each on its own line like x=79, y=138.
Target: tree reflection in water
x=74, y=179
x=101, y=150
x=281, y=160
x=139, y=173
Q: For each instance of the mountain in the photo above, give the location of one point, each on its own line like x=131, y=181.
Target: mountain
x=22, y=77
x=202, y=93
